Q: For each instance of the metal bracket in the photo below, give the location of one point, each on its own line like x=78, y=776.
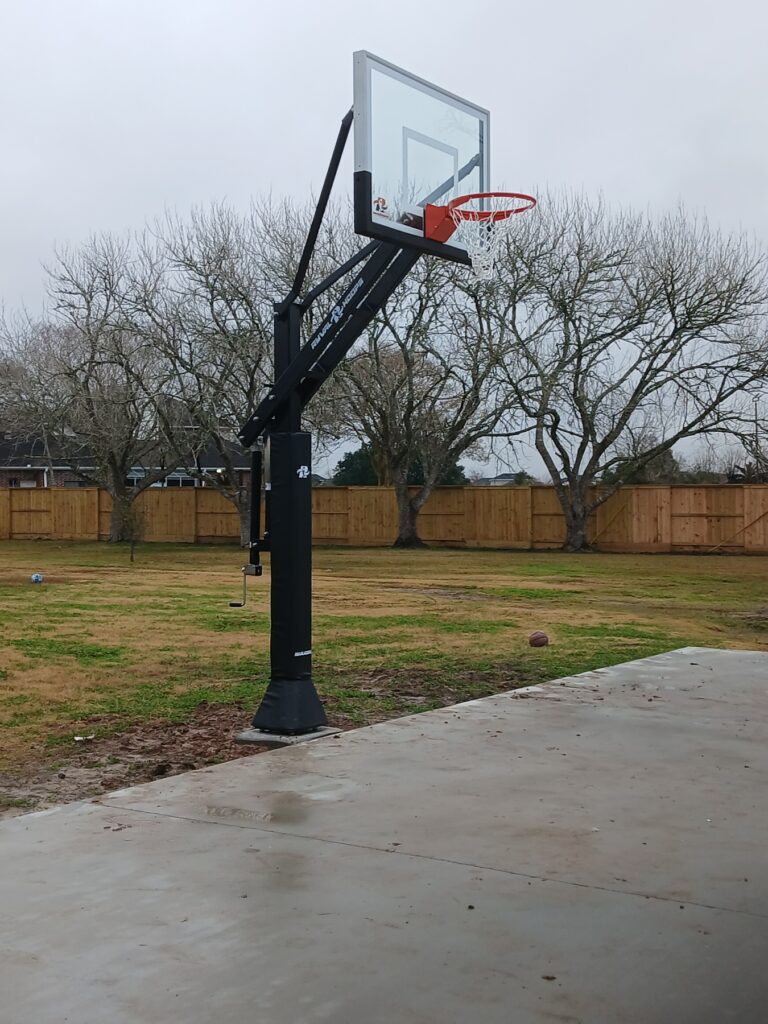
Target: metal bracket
x=247, y=570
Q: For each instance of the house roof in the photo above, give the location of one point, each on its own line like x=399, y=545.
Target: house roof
x=22, y=452
x=19, y=452
x=209, y=457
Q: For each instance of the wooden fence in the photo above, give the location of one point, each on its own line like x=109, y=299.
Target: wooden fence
x=730, y=518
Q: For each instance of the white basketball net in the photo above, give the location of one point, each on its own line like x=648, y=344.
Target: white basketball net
x=482, y=236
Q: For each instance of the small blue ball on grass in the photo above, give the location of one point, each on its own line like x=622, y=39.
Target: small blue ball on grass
x=36, y=577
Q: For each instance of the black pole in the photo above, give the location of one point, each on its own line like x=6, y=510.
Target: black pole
x=256, y=464
x=322, y=203
x=291, y=705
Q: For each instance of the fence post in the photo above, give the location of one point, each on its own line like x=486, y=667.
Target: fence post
x=5, y=514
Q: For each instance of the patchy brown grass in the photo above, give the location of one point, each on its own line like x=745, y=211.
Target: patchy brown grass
x=150, y=653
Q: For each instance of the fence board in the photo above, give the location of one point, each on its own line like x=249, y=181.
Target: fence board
x=441, y=520
x=331, y=515
x=613, y=522
x=5, y=514
x=498, y=517
x=216, y=519
x=651, y=518
x=105, y=511
x=755, y=531
x=372, y=515
x=547, y=523
x=707, y=517
x=75, y=513
x=30, y=513
x=644, y=518
x=168, y=515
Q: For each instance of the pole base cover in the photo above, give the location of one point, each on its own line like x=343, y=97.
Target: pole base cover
x=290, y=706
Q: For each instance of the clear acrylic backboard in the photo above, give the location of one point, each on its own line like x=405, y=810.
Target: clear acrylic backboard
x=414, y=144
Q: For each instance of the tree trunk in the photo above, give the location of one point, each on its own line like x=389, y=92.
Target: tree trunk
x=407, y=536
x=576, y=520
x=380, y=464
x=121, y=527
x=576, y=537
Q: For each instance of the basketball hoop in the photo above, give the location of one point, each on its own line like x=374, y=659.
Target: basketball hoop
x=481, y=228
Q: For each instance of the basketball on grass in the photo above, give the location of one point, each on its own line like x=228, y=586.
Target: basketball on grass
x=538, y=639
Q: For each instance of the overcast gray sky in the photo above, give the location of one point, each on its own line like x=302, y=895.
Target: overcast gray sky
x=113, y=110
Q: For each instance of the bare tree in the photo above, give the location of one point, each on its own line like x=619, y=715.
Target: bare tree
x=419, y=387
x=12, y=416
x=84, y=387
x=750, y=464
x=623, y=334
x=202, y=293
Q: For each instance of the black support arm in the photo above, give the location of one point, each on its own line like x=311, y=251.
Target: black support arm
x=322, y=203
x=356, y=293
x=345, y=338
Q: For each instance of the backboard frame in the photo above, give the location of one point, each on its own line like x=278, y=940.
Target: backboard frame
x=364, y=221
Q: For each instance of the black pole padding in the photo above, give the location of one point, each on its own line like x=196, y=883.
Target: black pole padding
x=291, y=555
x=291, y=704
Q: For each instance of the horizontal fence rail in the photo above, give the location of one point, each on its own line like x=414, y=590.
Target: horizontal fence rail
x=727, y=518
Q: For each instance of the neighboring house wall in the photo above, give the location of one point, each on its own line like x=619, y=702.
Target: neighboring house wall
x=21, y=477
x=66, y=478
x=25, y=476
x=11, y=476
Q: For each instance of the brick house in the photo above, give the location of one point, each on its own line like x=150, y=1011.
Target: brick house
x=25, y=462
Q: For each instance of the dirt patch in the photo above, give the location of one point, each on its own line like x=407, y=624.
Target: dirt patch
x=450, y=595
x=149, y=750
x=156, y=749
x=757, y=619
x=413, y=687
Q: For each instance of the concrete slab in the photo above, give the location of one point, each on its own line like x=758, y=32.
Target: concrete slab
x=592, y=851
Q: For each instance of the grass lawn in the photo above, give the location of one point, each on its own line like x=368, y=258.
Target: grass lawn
x=109, y=649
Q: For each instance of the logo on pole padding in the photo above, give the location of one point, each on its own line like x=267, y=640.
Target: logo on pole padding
x=302, y=472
